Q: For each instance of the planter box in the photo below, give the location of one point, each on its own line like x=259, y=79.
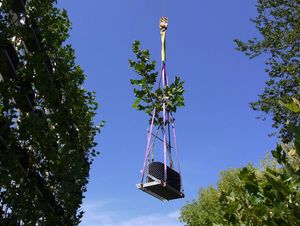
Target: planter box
x=157, y=187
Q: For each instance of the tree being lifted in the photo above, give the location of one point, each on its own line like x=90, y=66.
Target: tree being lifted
x=158, y=179
x=46, y=118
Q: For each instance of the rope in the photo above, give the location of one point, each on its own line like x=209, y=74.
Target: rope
x=165, y=143
x=154, y=135
x=163, y=7
x=160, y=8
x=166, y=83
x=169, y=141
x=164, y=124
x=152, y=145
x=176, y=150
x=148, y=143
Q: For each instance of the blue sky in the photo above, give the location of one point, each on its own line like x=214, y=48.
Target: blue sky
x=215, y=131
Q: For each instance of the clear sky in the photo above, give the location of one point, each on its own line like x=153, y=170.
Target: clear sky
x=215, y=131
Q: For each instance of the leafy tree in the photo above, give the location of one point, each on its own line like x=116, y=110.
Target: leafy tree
x=147, y=95
x=251, y=196
x=278, y=22
x=207, y=209
x=46, y=117
x=269, y=195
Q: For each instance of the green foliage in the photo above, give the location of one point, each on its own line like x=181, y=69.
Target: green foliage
x=46, y=120
x=278, y=23
x=293, y=106
x=251, y=196
x=269, y=195
x=211, y=210
x=147, y=96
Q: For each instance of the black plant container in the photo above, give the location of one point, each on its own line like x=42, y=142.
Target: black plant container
x=157, y=186
x=9, y=61
x=156, y=169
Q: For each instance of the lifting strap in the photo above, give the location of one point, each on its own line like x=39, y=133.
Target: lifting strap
x=149, y=135
x=176, y=150
x=163, y=25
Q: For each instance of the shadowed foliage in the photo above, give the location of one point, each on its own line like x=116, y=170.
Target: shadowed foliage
x=278, y=23
x=46, y=118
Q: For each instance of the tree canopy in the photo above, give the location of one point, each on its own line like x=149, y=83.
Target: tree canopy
x=46, y=117
x=269, y=195
x=278, y=23
x=147, y=95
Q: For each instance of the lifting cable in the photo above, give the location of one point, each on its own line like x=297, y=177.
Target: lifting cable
x=163, y=7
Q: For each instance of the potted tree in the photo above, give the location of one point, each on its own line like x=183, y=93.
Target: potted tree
x=159, y=100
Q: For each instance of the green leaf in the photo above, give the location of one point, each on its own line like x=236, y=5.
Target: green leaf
x=279, y=154
x=136, y=102
x=296, y=130
x=293, y=106
x=249, y=179
x=148, y=96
